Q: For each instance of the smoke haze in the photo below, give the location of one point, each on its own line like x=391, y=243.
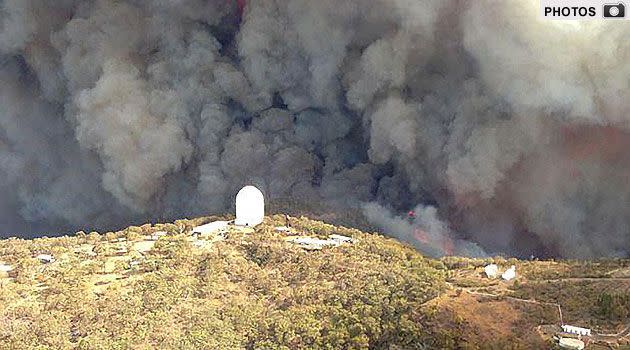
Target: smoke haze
x=493, y=126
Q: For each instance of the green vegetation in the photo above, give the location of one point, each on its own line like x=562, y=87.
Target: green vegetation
x=600, y=303
x=253, y=290
x=614, y=305
x=572, y=268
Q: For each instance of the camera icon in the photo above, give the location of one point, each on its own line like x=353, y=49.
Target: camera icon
x=614, y=10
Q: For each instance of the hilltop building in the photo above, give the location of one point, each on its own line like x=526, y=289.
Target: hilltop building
x=341, y=239
x=250, y=207
x=212, y=228
x=572, y=344
x=509, y=274
x=310, y=243
x=491, y=270
x=45, y=258
x=5, y=270
x=576, y=330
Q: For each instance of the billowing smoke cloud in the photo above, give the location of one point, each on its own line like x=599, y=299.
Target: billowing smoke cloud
x=422, y=229
x=492, y=125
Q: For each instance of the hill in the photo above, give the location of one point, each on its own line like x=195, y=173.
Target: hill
x=159, y=287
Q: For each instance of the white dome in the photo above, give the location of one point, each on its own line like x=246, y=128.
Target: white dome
x=250, y=207
x=491, y=270
x=509, y=273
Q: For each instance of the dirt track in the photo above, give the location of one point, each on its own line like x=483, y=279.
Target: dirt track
x=598, y=337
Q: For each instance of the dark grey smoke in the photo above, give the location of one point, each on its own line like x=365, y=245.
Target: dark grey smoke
x=498, y=127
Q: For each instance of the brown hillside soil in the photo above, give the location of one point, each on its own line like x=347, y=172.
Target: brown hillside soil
x=491, y=323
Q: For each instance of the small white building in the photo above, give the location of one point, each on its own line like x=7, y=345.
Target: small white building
x=250, y=207
x=570, y=343
x=342, y=239
x=576, y=330
x=314, y=243
x=509, y=274
x=492, y=270
x=4, y=270
x=310, y=243
x=156, y=235
x=45, y=258
x=134, y=264
x=212, y=228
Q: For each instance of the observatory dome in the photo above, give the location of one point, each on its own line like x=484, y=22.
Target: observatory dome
x=250, y=207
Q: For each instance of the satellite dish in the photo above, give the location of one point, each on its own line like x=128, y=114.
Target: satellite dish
x=250, y=207
x=509, y=273
x=491, y=270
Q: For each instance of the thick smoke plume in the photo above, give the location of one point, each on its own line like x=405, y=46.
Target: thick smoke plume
x=499, y=128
